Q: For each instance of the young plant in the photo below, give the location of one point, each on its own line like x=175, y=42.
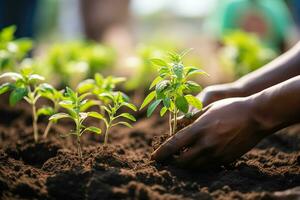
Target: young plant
x=24, y=85
x=76, y=106
x=49, y=92
x=12, y=50
x=243, y=53
x=173, y=89
x=98, y=86
x=118, y=100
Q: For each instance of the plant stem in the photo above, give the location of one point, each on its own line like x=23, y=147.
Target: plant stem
x=47, y=129
x=175, y=121
x=50, y=123
x=106, y=135
x=79, y=147
x=101, y=123
x=34, y=123
x=170, y=124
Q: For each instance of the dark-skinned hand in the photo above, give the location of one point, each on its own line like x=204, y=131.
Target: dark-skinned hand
x=222, y=132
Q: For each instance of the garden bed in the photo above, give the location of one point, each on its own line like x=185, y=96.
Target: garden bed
x=51, y=169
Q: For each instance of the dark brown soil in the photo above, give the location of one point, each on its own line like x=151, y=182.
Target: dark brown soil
x=50, y=169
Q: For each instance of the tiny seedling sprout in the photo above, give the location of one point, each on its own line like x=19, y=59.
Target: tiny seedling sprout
x=76, y=106
x=49, y=92
x=98, y=86
x=118, y=100
x=24, y=85
x=173, y=89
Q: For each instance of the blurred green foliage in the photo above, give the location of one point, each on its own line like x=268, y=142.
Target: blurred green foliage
x=72, y=62
x=12, y=50
x=146, y=71
x=243, y=53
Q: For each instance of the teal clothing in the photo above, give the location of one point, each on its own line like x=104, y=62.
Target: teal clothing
x=270, y=17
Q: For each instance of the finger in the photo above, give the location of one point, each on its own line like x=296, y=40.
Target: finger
x=199, y=152
x=182, y=138
x=183, y=121
x=188, y=156
x=203, y=162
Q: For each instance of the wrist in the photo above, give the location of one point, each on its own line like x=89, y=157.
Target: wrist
x=262, y=114
x=236, y=89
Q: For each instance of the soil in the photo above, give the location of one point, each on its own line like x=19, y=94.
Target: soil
x=51, y=169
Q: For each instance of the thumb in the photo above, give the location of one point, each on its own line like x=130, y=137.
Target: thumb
x=184, y=121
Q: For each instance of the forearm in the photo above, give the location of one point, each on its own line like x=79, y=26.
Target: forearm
x=279, y=70
x=278, y=106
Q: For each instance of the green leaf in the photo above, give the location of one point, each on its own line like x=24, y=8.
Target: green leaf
x=7, y=34
x=5, y=87
x=66, y=104
x=35, y=77
x=193, y=86
x=194, y=101
x=123, y=123
x=106, y=95
x=83, y=96
x=148, y=99
x=156, y=80
x=71, y=93
x=93, y=129
x=89, y=104
x=17, y=95
x=185, y=52
x=163, y=111
x=95, y=115
x=85, y=86
x=128, y=116
x=45, y=111
x=152, y=107
x=83, y=115
x=167, y=102
x=58, y=116
x=12, y=75
x=45, y=87
x=182, y=104
x=158, y=62
x=130, y=105
x=161, y=86
x=194, y=70
x=178, y=70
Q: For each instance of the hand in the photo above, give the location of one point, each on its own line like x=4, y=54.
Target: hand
x=225, y=131
x=217, y=92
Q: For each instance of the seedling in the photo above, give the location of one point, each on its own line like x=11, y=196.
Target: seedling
x=173, y=89
x=49, y=92
x=12, y=50
x=74, y=61
x=76, y=106
x=118, y=100
x=98, y=86
x=24, y=85
x=244, y=52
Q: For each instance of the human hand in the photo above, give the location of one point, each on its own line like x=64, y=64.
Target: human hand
x=217, y=92
x=223, y=132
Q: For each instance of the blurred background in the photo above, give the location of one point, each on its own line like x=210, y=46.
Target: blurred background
x=73, y=39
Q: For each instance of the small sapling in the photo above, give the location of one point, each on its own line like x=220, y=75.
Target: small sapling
x=97, y=87
x=76, y=106
x=24, y=85
x=49, y=92
x=173, y=89
x=118, y=100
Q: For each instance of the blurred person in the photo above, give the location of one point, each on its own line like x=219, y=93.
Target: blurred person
x=108, y=21
x=270, y=20
x=99, y=16
x=238, y=115
x=19, y=13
